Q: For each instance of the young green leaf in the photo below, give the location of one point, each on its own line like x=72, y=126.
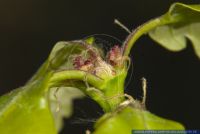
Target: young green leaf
x=125, y=120
x=26, y=111
x=33, y=108
x=187, y=25
x=171, y=29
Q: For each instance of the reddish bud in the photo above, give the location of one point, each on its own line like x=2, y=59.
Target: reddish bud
x=115, y=55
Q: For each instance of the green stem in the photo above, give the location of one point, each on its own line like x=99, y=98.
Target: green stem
x=143, y=29
x=95, y=91
x=77, y=75
x=107, y=93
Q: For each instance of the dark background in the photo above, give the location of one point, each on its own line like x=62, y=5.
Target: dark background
x=30, y=28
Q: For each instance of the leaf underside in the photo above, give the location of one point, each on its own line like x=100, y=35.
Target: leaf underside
x=181, y=22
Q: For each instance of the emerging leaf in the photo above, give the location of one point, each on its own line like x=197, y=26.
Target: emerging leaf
x=26, y=111
x=181, y=21
x=123, y=121
x=32, y=109
x=171, y=29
